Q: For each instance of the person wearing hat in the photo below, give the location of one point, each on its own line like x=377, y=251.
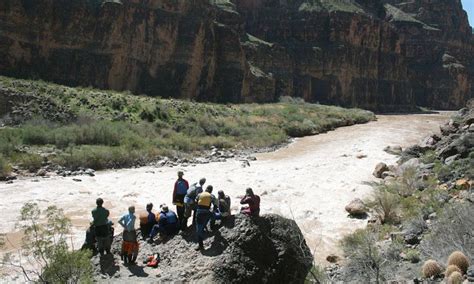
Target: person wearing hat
x=181, y=187
x=167, y=225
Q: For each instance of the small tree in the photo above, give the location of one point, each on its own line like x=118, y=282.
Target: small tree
x=364, y=258
x=45, y=247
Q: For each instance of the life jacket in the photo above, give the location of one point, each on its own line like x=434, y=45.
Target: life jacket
x=143, y=217
x=181, y=187
x=205, y=200
x=169, y=218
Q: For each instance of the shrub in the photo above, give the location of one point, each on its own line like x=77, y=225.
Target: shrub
x=364, y=258
x=460, y=260
x=45, y=244
x=431, y=268
x=386, y=205
x=69, y=267
x=4, y=167
x=450, y=269
x=31, y=162
x=412, y=255
x=451, y=233
x=455, y=278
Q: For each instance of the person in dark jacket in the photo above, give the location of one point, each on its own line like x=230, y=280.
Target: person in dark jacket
x=100, y=220
x=253, y=201
x=181, y=187
x=147, y=221
x=168, y=224
x=203, y=213
x=222, y=209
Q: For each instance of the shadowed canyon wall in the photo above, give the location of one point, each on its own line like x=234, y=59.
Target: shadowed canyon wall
x=384, y=55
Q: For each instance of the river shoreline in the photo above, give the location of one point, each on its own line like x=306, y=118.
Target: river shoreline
x=309, y=180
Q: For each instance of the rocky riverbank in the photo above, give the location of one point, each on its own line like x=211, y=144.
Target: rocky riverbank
x=267, y=249
x=421, y=210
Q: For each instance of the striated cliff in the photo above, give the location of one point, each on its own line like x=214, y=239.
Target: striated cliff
x=382, y=55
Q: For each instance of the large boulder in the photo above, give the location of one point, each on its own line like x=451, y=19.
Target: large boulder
x=268, y=249
x=380, y=168
x=356, y=208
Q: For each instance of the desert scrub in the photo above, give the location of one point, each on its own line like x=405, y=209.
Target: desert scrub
x=452, y=231
x=4, y=167
x=365, y=261
x=122, y=129
x=386, y=205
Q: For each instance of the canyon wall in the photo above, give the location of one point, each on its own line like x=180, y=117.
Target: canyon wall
x=384, y=55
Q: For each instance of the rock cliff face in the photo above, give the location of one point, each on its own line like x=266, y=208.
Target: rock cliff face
x=377, y=54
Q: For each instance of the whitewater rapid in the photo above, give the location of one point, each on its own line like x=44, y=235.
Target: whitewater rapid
x=310, y=180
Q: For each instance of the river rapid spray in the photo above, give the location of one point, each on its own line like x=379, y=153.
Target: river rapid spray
x=310, y=180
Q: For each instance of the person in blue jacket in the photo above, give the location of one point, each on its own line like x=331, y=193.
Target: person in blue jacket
x=167, y=224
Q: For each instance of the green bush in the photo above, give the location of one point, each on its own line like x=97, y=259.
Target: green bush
x=45, y=245
x=5, y=168
x=365, y=262
x=30, y=162
x=69, y=267
x=154, y=125
x=386, y=205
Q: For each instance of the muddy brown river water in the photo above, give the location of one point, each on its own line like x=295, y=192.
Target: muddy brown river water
x=310, y=180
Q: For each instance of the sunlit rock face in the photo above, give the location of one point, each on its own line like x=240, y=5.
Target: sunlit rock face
x=385, y=55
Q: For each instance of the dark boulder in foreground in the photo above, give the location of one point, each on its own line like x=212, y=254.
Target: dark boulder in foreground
x=269, y=249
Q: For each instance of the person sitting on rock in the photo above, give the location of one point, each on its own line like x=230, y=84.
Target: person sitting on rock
x=190, y=200
x=223, y=208
x=147, y=221
x=168, y=224
x=181, y=187
x=253, y=201
x=130, y=243
x=203, y=213
x=100, y=221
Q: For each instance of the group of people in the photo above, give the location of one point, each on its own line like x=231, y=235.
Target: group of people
x=190, y=201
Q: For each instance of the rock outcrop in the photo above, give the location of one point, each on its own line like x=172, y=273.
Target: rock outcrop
x=269, y=249
x=382, y=55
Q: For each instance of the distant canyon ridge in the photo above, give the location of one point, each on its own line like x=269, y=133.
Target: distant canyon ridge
x=383, y=55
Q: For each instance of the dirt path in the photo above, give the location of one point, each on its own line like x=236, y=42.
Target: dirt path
x=311, y=181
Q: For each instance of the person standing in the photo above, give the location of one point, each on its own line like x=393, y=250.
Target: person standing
x=203, y=213
x=181, y=187
x=100, y=221
x=130, y=243
x=190, y=200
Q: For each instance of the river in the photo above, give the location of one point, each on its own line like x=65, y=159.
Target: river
x=311, y=180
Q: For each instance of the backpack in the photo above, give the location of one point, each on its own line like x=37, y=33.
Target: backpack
x=194, y=190
x=191, y=193
x=181, y=188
